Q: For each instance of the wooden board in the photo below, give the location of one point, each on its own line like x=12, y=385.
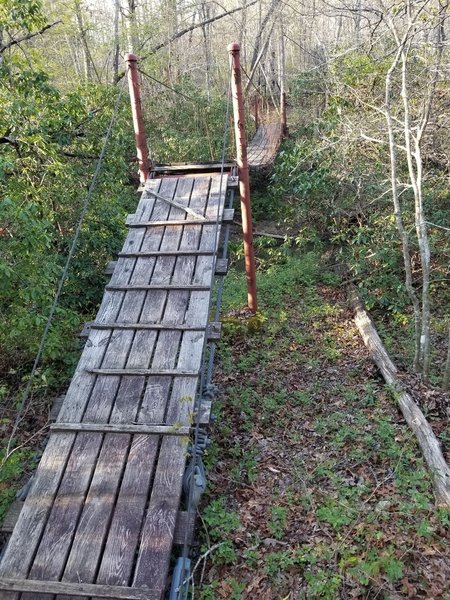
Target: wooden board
x=264, y=146
x=104, y=503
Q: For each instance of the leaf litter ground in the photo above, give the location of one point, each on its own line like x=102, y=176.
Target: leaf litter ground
x=317, y=488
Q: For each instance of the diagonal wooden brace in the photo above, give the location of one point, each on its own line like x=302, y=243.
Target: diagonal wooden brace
x=176, y=204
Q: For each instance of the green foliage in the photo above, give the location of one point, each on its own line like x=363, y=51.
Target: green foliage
x=45, y=170
x=50, y=144
x=11, y=470
x=185, y=125
x=278, y=521
x=336, y=514
x=375, y=563
x=17, y=15
x=221, y=522
x=275, y=562
x=334, y=185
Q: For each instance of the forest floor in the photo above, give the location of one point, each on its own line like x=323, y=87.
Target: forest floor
x=317, y=488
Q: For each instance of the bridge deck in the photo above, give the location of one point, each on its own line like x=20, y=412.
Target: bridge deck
x=264, y=145
x=99, y=519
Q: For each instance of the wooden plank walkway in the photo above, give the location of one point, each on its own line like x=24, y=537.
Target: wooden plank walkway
x=264, y=146
x=100, y=517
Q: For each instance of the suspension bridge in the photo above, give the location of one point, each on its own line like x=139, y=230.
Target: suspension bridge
x=115, y=494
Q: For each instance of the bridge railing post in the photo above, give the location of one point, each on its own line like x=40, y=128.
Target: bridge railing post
x=138, y=121
x=244, y=180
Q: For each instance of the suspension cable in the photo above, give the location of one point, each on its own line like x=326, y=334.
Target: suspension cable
x=200, y=105
x=184, y=586
x=85, y=207
x=252, y=83
x=168, y=86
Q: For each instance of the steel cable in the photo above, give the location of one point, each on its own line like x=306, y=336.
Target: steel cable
x=63, y=277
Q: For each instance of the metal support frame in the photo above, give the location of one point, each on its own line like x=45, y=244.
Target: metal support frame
x=138, y=121
x=244, y=180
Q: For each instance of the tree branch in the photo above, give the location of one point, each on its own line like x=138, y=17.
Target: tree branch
x=27, y=37
x=192, y=27
x=5, y=139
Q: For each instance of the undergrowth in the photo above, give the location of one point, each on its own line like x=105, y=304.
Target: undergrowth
x=317, y=487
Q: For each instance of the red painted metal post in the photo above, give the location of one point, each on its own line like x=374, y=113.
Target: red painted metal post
x=244, y=181
x=138, y=121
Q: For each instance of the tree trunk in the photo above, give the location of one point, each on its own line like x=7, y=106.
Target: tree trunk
x=242, y=29
x=414, y=161
x=258, y=60
x=397, y=208
x=257, y=46
x=74, y=55
x=116, y=41
x=358, y=22
x=84, y=44
x=206, y=14
x=414, y=417
x=282, y=77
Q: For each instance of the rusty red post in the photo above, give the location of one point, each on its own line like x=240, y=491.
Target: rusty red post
x=244, y=181
x=138, y=121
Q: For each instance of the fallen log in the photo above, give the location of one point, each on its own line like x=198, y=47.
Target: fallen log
x=414, y=417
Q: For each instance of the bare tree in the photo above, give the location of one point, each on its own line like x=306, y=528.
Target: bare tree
x=89, y=66
x=116, y=49
x=413, y=132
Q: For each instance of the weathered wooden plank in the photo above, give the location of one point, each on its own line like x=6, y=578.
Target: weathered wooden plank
x=187, y=167
x=84, y=590
x=158, y=531
x=166, y=253
x=121, y=428
x=157, y=286
x=227, y=217
x=145, y=372
x=130, y=222
x=93, y=524
x=212, y=331
x=184, y=528
x=109, y=269
x=56, y=407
